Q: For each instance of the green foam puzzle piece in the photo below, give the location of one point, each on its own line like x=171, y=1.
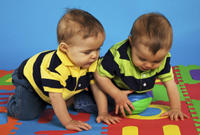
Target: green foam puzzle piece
x=196, y=107
x=185, y=73
x=160, y=93
x=4, y=79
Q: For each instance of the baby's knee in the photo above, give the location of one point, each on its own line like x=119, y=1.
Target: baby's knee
x=14, y=109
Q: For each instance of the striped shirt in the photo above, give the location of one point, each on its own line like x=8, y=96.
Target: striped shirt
x=118, y=66
x=52, y=71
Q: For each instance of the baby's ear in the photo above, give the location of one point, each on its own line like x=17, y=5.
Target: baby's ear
x=63, y=47
x=130, y=40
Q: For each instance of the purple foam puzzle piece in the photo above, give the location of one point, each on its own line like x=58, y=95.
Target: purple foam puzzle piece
x=195, y=74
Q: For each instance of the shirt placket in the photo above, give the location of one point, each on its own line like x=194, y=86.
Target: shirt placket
x=77, y=77
x=143, y=85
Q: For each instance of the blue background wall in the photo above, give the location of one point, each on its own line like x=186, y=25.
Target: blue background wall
x=29, y=26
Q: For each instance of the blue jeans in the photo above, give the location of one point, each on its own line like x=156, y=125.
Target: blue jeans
x=84, y=102
x=25, y=104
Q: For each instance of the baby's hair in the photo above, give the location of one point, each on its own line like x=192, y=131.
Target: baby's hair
x=75, y=23
x=152, y=30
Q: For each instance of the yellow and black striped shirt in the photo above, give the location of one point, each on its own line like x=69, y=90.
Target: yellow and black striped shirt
x=52, y=71
x=118, y=66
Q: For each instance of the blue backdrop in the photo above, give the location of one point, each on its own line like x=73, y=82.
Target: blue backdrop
x=29, y=26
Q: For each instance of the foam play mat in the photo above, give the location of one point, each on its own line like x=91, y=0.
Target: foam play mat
x=148, y=122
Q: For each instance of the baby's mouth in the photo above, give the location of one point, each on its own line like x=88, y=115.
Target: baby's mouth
x=144, y=69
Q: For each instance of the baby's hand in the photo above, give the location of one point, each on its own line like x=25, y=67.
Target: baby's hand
x=122, y=102
x=174, y=114
x=108, y=119
x=77, y=125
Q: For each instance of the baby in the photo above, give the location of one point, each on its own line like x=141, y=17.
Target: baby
x=133, y=65
x=54, y=77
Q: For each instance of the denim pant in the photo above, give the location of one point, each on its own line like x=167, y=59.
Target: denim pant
x=25, y=104
x=85, y=102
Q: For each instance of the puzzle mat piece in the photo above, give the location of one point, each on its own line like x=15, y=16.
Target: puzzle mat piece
x=6, y=80
x=153, y=112
x=49, y=124
x=185, y=73
x=153, y=126
x=4, y=72
x=7, y=87
x=195, y=74
x=195, y=110
x=184, y=106
x=4, y=95
x=176, y=74
x=158, y=82
x=192, y=91
x=160, y=93
x=7, y=123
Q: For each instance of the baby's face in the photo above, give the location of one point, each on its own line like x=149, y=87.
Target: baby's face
x=144, y=59
x=85, y=51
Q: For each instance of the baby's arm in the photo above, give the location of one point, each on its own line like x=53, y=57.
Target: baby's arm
x=119, y=96
x=174, y=98
x=60, y=109
x=101, y=101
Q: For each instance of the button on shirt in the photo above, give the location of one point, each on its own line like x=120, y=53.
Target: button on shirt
x=144, y=84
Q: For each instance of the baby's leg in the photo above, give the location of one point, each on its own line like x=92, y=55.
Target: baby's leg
x=84, y=102
x=25, y=104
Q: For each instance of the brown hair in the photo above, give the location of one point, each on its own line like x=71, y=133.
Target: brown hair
x=77, y=22
x=152, y=30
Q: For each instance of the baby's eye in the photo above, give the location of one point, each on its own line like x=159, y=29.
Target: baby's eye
x=142, y=59
x=87, y=52
x=157, y=61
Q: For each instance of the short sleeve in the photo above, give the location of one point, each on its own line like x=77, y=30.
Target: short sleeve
x=166, y=72
x=92, y=69
x=108, y=66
